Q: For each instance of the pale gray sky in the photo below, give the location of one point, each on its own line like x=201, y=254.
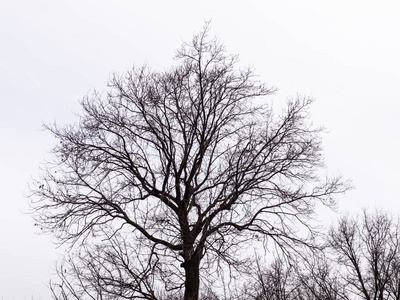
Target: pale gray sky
x=345, y=54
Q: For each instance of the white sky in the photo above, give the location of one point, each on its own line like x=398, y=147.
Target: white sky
x=345, y=54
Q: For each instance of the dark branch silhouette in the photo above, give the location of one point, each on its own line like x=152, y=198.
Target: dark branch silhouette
x=360, y=260
x=369, y=249
x=167, y=178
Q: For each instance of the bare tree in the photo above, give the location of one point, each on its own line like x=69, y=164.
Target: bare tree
x=309, y=275
x=112, y=269
x=369, y=250
x=317, y=277
x=167, y=178
x=276, y=282
x=360, y=259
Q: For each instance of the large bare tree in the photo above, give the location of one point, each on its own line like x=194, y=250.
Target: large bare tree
x=170, y=176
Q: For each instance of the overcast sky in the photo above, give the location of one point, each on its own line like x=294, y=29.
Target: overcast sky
x=345, y=54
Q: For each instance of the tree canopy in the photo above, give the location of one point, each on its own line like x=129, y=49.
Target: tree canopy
x=170, y=177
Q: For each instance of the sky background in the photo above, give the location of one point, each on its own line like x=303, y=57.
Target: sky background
x=344, y=54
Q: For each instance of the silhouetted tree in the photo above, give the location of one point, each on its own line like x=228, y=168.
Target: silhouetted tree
x=308, y=277
x=360, y=260
x=168, y=178
x=317, y=277
x=276, y=282
x=369, y=250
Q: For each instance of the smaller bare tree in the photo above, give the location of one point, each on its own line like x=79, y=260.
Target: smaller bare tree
x=114, y=268
x=360, y=260
x=309, y=275
x=317, y=278
x=368, y=248
x=277, y=282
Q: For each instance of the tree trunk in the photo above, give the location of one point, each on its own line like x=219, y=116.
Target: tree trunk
x=192, y=280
